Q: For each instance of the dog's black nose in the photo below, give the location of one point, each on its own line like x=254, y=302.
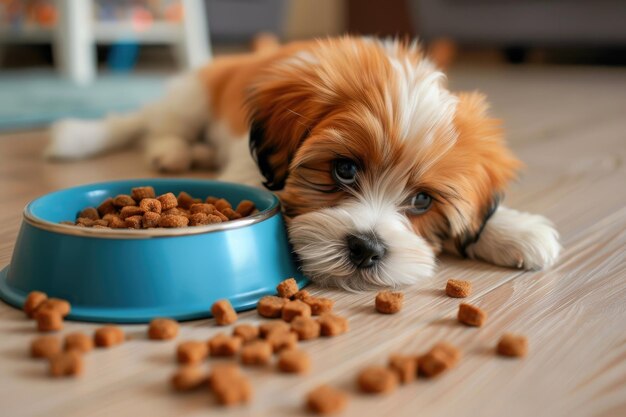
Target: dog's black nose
x=365, y=250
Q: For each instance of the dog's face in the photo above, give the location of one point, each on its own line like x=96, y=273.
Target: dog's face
x=377, y=164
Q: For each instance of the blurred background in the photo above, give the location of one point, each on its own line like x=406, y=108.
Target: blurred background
x=84, y=58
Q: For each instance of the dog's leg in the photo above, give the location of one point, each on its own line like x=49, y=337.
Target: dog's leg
x=515, y=239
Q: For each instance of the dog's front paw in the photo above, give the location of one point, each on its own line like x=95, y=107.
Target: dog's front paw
x=515, y=239
x=168, y=154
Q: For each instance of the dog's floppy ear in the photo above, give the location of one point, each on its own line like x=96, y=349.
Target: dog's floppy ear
x=488, y=165
x=282, y=109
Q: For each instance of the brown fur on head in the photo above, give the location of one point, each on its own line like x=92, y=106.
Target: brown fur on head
x=383, y=109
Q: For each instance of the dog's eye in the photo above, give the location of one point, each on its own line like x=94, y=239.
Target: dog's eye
x=344, y=171
x=420, y=203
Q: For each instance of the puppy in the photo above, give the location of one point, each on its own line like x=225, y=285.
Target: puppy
x=379, y=167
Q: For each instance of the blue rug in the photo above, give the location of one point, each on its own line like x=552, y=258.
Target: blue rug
x=35, y=98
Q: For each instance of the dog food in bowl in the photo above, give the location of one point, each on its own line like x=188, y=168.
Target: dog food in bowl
x=143, y=209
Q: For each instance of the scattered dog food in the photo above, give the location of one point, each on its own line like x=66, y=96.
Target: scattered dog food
x=273, y=326
x=49, y=320
x=221, y=372
x=458, y=289
x=280, y=340
x=512, y=345
x=55, y=304
x=332, y=325
x=223, y=312
x=287, y=288
x=188, y=377
x=388, y=302
x=224, y=345
x=270, y=306
x=246, y=332
x=377, y=380
x=319, y=305
x=108, y=336
x=33, y=301
x=192, y=351
x=142, y=209
x=301, y=295
x=78, y=341
x=440, y=358
x=45, y=347
x=257, y=352
x=326, y=400
x=232, y=390
x=295, y=308
x=163, y=329
x=305, y=327
x=404, y=366
x=471, y=315
x=66, y=364
x=294, y=361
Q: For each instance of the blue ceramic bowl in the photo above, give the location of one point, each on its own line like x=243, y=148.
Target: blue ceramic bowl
x=132, y=276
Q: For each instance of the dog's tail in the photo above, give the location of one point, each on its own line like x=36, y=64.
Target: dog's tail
x=78, y=139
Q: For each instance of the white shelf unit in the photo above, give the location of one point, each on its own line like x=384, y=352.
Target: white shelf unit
x=76, y=33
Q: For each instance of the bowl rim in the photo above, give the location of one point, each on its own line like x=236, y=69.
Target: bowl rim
x=35, y=221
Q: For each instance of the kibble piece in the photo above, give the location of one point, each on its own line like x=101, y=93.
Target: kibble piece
x=211, y=200
x=305, y=327
x=231, y=214
x=246, y=332
x=223, y=312
x=295, y=308
x=273, y=326
x=221, y=204
x=332, y=325
x=282, y=340
x=163, y=329
x=302, y=295
x=150, y=220
x=150, y=204
x=84, y=222
x=257, y=352
x=134, y=222
x=202, y=208
x=235, y=390
x=90, y=213
x=101, y=223
x=108, y=336
x=319, y=305
x=377, y=380
x=168, y=201
x=404, y=366
x=456, y=288
x=294, y=361
x=115, y=221
x=245, y=207
x=49, y=320
x=287, y=288
x=222, y=373
x=188, y=377
x=66, y=364
x=271, y=306
x=78, y=341
x=129, y=211
x=441, y=357
x=185, y=200
x=192, y=351
x=326, y=400
x=45, y=347
x=139, y=193
x=221, y=216
x=124, y=200
x=512, y=345
x=107, y=207
x=61, y=306
x=223, y=345
x=33, y=302
x=172, y=220
x=471, y=315
x=388, y=302
x=202, y=219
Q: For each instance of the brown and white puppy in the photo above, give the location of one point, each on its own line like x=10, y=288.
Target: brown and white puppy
x=378, y=165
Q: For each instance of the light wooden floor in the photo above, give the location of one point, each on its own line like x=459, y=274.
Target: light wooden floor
x=568, y=125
